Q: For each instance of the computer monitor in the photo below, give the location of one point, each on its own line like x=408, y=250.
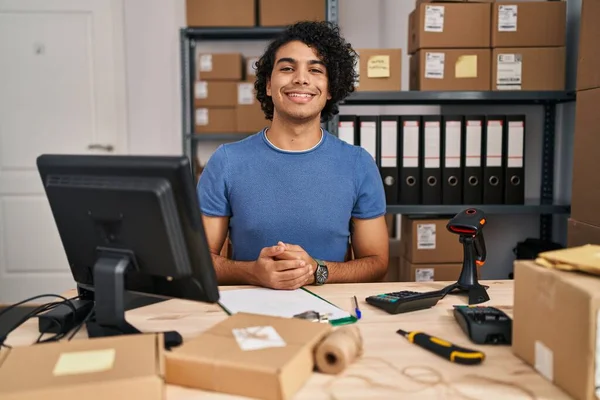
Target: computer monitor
x=129, y=224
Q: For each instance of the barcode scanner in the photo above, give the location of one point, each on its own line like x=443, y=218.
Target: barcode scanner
x=468, y=225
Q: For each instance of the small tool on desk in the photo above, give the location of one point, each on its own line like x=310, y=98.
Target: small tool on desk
x=443, y=348
x=357, y=312
x=313, y=316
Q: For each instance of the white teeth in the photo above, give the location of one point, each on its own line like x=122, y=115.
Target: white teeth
x=299, y=95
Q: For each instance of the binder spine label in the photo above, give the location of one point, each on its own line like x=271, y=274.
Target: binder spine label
x=493, y=153
x=432, y=145
x=346, y=131
x=452, y=145
x=473, y=144
x=410, y=144
x=368, y=136
x=389, y=145
x=515, y=144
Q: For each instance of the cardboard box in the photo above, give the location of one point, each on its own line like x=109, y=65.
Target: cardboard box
x=410, y=272
x=215, y=120
x=129, y=366
x=215, y=94
x=220, y=13
x=427, y=241
x=450, y=69
x=250, y=118
x=588, y=58
x=219, y=360
x=555, y=325
x=219, y=66
x=529, y=23
x=585, y=195
x=287, y=12
x=580, y=233
x=379, y=70
x=540, y=68
x=449, y=25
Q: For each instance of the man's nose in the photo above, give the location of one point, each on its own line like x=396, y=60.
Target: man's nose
x=301, y=77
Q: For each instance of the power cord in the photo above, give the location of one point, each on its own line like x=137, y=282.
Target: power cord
x=42, y=308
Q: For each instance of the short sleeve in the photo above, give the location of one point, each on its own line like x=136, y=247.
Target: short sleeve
x=370, y=199
x=213, y=188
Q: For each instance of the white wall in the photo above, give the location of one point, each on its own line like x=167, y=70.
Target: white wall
x=152, y=46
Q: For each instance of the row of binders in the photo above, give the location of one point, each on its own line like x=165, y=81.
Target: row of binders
x=435, y=159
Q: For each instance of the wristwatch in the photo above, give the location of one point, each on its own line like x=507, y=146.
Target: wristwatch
x=321, y=273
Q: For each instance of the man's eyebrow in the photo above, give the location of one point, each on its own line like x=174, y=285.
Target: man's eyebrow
x=293, y=61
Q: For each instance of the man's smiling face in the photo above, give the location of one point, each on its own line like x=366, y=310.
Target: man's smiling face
x=299, y=83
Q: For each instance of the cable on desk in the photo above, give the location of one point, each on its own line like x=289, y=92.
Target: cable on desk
x=425, y=375
x=42, y=308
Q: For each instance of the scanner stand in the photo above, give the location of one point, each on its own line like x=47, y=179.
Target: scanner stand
x=467, y=281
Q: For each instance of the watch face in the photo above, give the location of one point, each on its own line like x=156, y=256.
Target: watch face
x=322, y=274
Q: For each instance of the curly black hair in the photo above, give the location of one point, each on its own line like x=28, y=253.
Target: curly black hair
x=337, y=55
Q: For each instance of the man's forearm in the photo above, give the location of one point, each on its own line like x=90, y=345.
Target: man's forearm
x=230, y=272
x=366, y=269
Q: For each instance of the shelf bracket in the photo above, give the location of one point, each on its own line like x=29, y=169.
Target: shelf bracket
x=547, y=184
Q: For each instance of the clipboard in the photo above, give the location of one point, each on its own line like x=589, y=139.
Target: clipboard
x=281, y=303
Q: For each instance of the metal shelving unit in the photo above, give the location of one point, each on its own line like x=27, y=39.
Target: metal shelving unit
x=189, y=37
x=545, y=206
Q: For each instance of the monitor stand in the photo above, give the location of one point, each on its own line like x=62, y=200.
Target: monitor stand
x=109, y=297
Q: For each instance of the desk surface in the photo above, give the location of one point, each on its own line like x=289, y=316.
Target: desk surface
x=379, y=373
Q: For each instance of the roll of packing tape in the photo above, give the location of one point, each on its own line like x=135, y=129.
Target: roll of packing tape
x=339, y=349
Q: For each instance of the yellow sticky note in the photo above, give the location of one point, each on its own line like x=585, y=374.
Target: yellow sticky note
x=378, y=67
x=466, y=67
x=84, y=362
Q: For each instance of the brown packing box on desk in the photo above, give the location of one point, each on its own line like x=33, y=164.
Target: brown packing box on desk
x=529, y=23
x=219, y=66
x=215, y=120
x=215, y=361
x=427, y=241
x=410, y=272
x=215, y=93
x=588, y=58
x=129, y=366
x=555, y=325
x=379, y=70
x=580, y=234
x=286, y=12
x=541, y=68
x=449, y=25
x=218, y=13
x=250, y=118
x=450, y=69
x=585, y=193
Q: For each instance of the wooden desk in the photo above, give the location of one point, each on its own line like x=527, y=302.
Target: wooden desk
x=386, y=353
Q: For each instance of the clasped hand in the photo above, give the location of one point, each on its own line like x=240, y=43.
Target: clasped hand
x=284, y=266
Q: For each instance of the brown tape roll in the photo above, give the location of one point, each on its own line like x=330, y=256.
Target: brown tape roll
x=339, y=349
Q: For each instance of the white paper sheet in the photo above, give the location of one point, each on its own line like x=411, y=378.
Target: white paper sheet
x=278, y=303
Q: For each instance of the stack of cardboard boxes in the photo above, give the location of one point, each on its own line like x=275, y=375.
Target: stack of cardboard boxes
x=249, y=13
x=584, y=224
x=224, y=95
x=487, y=45
x=428, y=251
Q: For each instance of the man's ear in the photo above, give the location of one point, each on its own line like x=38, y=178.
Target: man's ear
x=269, y=87
x=329, y=96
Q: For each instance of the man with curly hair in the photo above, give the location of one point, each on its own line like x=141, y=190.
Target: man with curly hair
x=300, y=205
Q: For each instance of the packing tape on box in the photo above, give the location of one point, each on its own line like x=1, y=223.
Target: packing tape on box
x=339, y=349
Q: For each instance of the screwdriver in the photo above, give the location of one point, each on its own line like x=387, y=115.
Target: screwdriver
x=443, y=348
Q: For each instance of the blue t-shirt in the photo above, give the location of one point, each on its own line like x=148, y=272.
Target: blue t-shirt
x=305, y=198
